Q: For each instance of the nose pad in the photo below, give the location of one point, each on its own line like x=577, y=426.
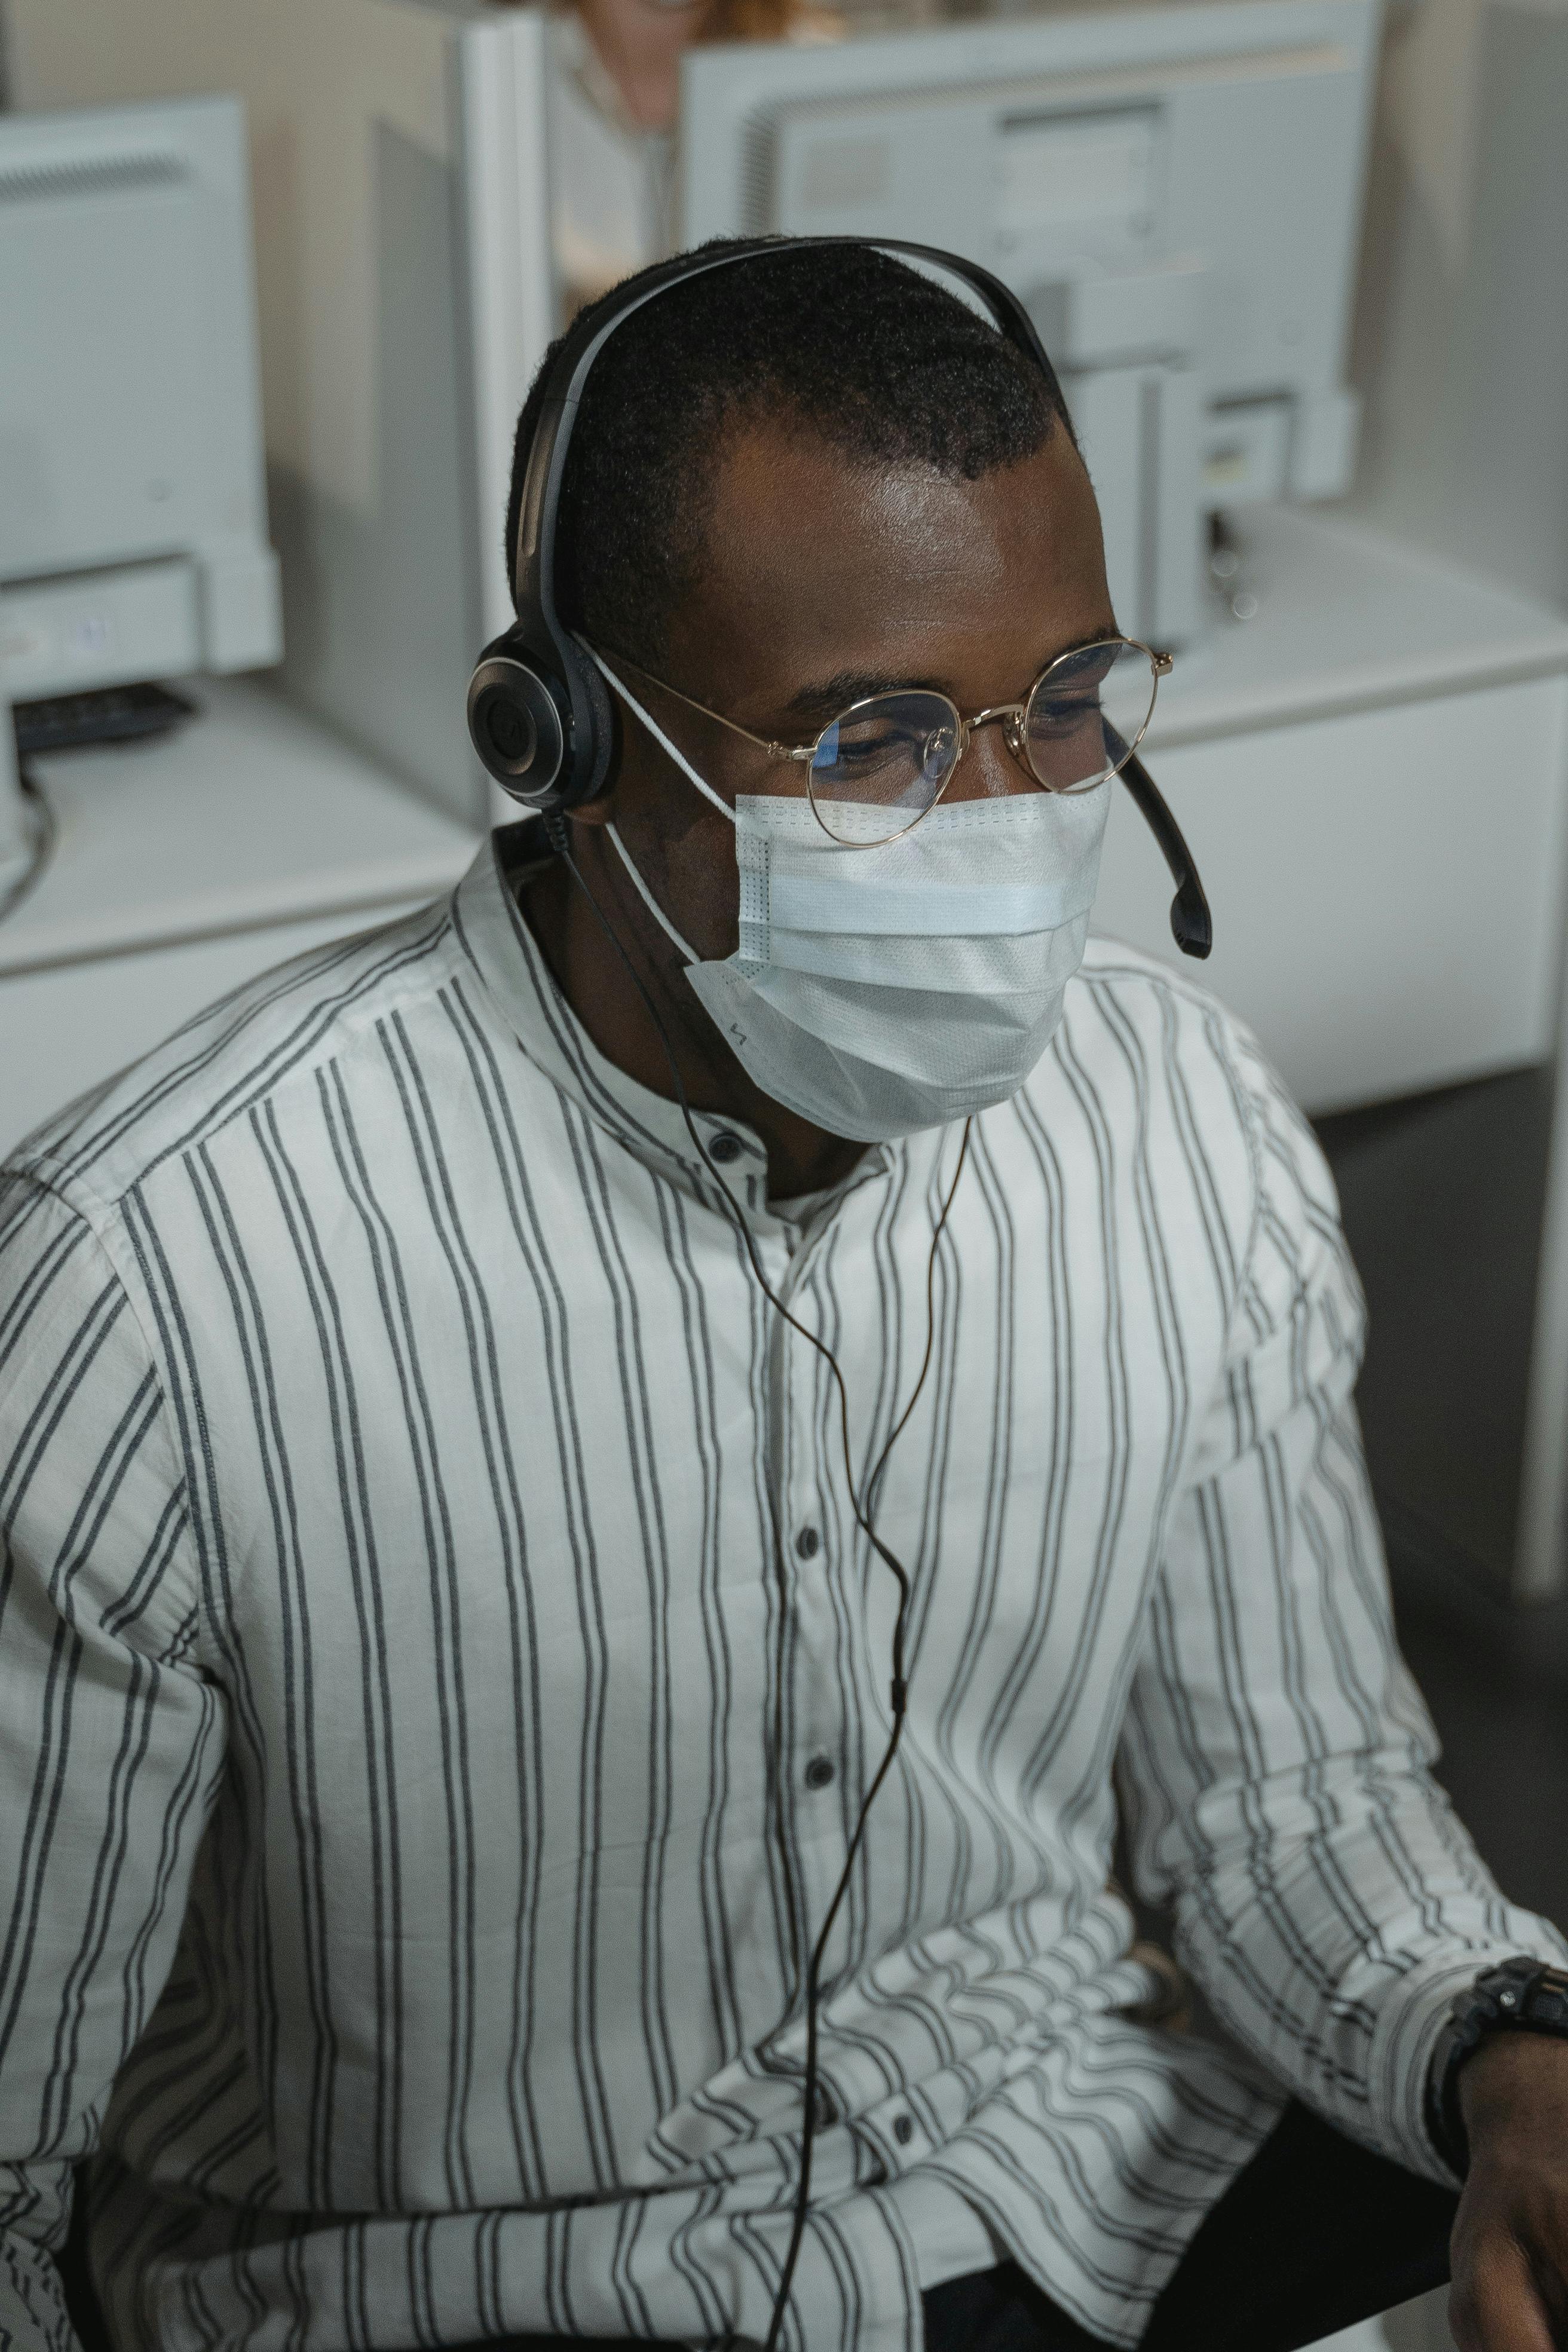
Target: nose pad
x=942, y=752
x=998, y=759
x=985, y=771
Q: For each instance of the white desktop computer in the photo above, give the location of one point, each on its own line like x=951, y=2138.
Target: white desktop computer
x=132, y=512
x=1175, y=189
x=1176, y=192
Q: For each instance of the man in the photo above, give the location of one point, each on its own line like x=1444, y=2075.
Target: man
x=441, y=1670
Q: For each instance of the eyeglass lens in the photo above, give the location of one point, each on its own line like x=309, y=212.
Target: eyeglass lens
x=894, y=752
x=1087, y=712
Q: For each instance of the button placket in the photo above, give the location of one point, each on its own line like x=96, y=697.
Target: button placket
x=734, y=1157
x=816, y=1729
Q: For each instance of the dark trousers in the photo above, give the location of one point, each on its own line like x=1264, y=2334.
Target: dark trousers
x=1313, y=2234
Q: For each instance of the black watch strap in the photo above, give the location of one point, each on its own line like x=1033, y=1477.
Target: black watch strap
x=1516, y=1996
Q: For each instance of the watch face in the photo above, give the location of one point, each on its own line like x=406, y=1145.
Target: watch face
x=1519, y=1992
x=1547, y=2002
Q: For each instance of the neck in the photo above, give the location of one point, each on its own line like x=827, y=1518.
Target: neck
x=640, y=47
x=602, y=993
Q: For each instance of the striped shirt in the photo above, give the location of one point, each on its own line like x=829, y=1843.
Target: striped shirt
x=439, y=1671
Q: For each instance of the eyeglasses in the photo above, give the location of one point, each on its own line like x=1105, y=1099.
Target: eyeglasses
x=892, y=756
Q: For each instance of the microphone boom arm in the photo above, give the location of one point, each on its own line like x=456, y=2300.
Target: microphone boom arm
x=1191, y=926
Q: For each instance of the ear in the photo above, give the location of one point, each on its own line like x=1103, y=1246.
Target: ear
x=605, y=717
x=603, y=720
x=601, y=811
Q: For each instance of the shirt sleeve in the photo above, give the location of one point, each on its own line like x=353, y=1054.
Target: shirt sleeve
x=1276, y=1764
x=110, y=1739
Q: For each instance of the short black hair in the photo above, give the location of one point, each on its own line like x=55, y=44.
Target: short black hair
x=874, y=357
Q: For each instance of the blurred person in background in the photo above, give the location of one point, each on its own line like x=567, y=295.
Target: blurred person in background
x=614, y=100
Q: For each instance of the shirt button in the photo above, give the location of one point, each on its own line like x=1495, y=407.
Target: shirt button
x=724, y=1148
x=808, y=1543
x=904, y=2129
x=819, y=1773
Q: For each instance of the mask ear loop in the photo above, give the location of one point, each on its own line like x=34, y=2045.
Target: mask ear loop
x=557, y=834
x=645, y=894
x=684, y=765
x=672, y=750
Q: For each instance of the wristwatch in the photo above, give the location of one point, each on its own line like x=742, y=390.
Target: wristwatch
x=1516, y=1996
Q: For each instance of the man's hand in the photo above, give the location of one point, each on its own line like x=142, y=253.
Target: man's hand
x=1510, y=2239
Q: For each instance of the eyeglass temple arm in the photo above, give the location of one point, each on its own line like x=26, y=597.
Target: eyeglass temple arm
x=1192, y=925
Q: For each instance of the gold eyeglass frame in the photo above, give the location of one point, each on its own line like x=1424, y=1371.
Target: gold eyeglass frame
x=1013, y=715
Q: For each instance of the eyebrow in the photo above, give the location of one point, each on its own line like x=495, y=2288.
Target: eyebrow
x=824, y=698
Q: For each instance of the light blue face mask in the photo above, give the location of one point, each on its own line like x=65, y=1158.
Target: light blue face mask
x=877, y=990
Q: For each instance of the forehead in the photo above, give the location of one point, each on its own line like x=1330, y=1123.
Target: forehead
x=814, y=563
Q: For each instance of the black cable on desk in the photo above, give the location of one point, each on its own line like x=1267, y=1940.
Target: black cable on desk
x=45, y=833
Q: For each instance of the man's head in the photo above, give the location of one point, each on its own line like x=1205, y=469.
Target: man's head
x=841, y=344
x=792, y=482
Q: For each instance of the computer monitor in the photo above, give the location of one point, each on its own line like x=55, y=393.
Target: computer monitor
x=133, y=506
x=1174, y=190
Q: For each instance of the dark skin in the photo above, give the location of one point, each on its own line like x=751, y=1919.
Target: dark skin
x=822, y=581
x=1511, y=2237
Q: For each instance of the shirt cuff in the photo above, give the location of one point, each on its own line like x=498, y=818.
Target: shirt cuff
x=1405, y=2045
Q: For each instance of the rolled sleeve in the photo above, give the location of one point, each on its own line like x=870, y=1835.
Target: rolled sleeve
x=110, y=1736
x=1276, y=1766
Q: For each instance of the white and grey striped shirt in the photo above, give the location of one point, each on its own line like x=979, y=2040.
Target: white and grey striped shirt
x=438, y=1671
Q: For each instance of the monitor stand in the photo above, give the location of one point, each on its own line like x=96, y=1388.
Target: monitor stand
x=16, y=849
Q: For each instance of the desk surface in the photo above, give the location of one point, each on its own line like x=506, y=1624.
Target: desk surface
x=255, y=815
x=1349, y=620
x=252, y=815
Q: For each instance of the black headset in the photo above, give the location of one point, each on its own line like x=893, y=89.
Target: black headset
x=540, y=715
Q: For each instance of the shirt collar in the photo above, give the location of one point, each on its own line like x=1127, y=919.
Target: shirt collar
x=507, y=958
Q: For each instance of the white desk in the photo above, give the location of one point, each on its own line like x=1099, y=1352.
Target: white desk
x=1373, y=774
x=185, y=866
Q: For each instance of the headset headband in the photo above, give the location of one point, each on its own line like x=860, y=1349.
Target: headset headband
x=533, y=557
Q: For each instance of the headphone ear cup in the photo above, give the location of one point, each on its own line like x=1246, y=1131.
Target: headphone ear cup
x=520, y=721
x=593, y=732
